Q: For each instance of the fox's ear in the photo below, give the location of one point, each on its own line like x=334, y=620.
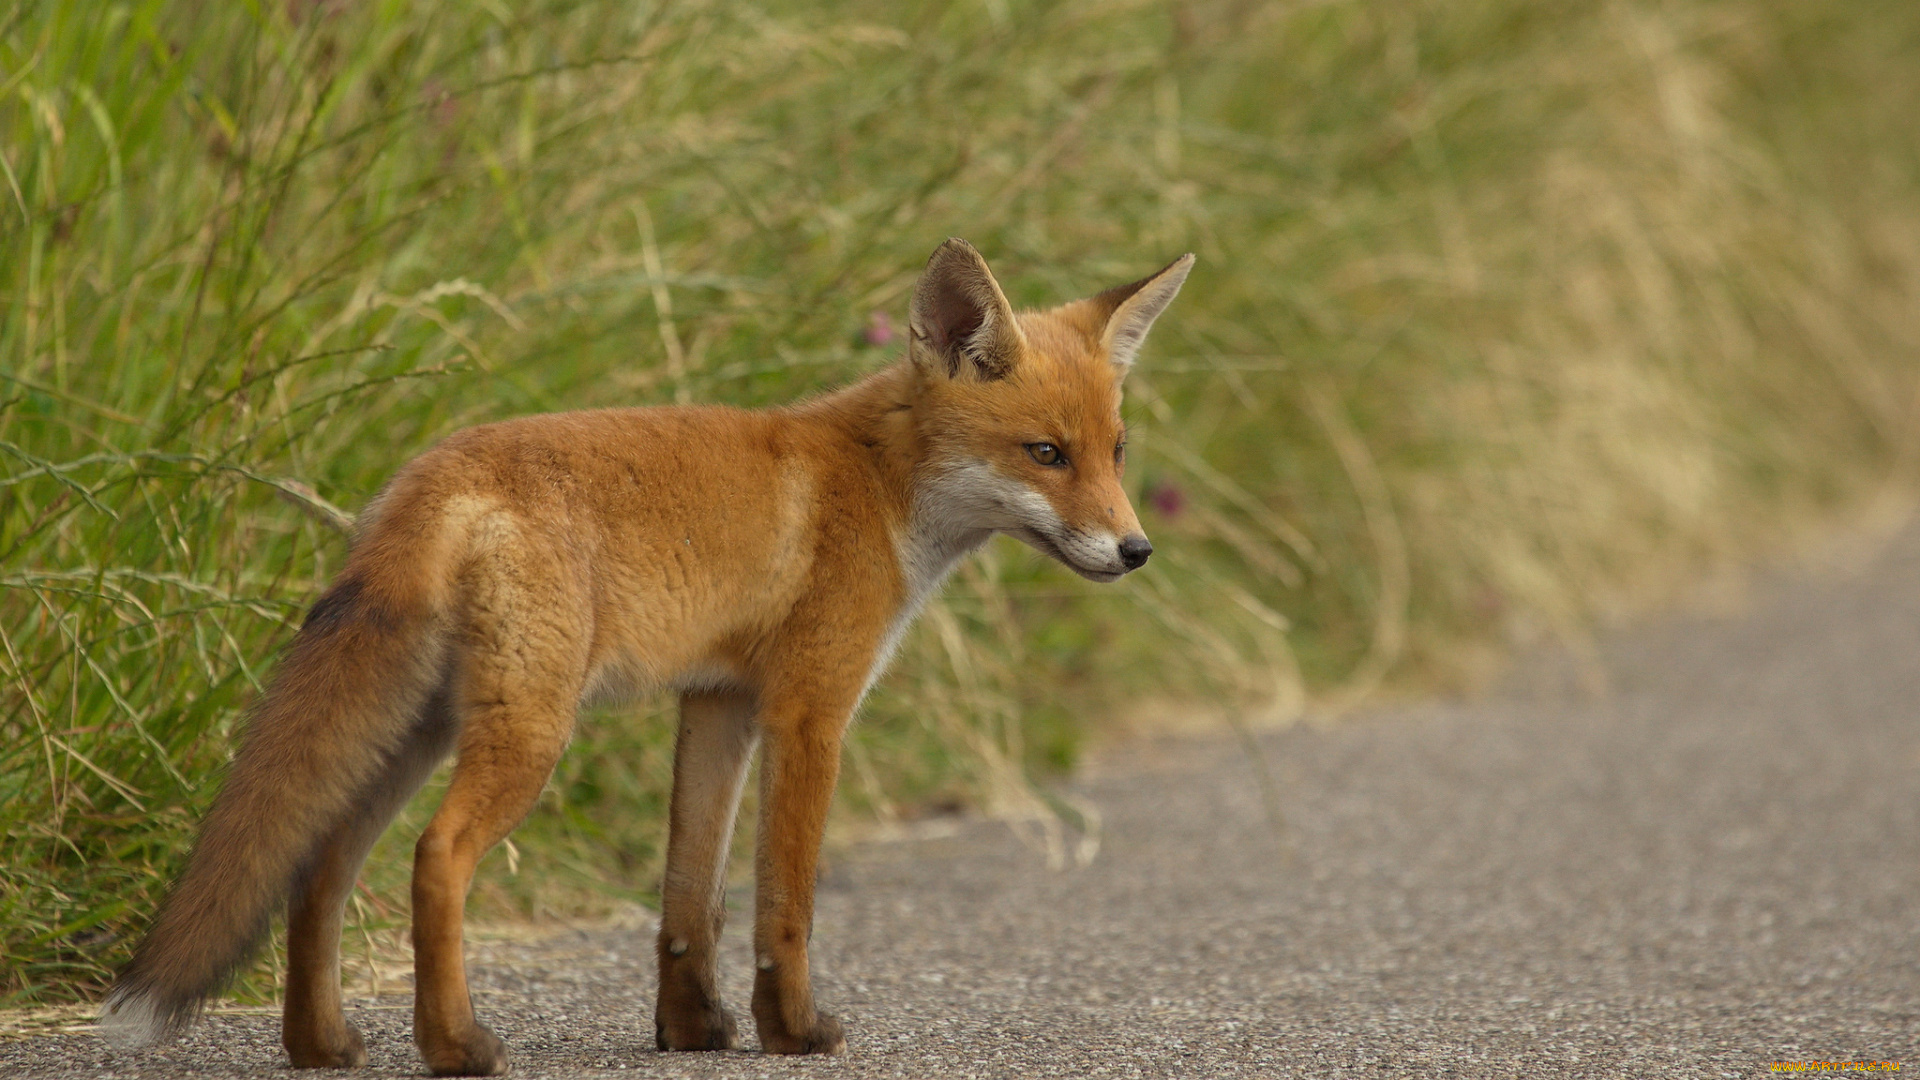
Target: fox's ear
x=960, y=324
x=1130, y=309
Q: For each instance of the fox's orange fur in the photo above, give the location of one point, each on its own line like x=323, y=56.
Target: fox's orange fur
x=762, y=563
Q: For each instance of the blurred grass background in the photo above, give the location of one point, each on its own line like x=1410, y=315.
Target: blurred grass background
x=1510, y=314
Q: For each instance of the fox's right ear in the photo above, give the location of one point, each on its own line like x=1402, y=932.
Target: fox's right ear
x=960, y=325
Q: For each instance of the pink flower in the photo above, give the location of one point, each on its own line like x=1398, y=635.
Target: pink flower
x=442, y=107
x=879, y=330
x=1167, y=500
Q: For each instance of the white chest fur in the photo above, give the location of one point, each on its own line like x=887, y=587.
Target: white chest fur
x=928, y=549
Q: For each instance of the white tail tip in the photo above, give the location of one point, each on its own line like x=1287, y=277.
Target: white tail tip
x=130, y=1019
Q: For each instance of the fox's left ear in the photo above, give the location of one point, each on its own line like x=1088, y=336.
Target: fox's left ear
x=1130, y=309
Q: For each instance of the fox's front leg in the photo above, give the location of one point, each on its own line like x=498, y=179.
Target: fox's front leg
x=797, y=773
x=709, y=767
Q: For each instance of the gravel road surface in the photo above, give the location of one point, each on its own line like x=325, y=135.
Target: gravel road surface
x=1709, y=867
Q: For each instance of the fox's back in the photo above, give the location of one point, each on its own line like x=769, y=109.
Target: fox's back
x=664, y=540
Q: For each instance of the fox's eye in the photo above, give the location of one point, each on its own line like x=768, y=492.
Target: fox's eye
x=1119, y=453
x=1046, y=453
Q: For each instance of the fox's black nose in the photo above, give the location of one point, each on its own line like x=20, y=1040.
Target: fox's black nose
x=1134, y=551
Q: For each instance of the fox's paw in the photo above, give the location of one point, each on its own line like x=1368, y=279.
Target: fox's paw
x=688, y=1014
x=705, y=1029
x=825, y=1036
x=343, y=1048
x=821, y=1034
x=479, y=1053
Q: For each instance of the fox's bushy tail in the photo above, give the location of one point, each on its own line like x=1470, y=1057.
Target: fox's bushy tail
x=351, y=685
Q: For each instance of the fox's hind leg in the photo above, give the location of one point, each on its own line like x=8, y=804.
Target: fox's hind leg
x=709, y=767
x=314, y=1029
x=518, y=708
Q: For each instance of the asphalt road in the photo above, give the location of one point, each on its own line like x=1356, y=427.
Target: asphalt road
x=1712, y=866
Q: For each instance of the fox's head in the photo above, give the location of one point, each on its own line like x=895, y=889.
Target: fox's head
x=1020, y=413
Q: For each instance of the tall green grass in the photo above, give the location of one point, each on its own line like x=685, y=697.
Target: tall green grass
x=1509, y=313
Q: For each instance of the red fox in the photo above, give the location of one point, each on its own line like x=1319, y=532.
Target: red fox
x=762, y=564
